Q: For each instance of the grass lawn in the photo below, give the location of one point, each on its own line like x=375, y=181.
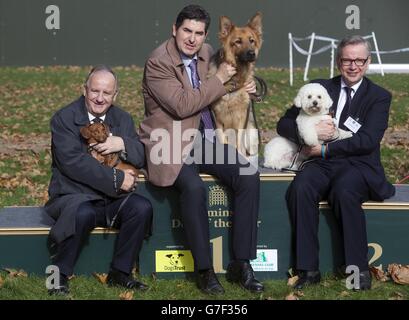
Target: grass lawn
x=82, y=287
x=30, y=95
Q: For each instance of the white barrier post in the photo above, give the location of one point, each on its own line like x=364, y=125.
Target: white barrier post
x=332, y=59
x=377, y=53
x=307, y=65
x=290, y=41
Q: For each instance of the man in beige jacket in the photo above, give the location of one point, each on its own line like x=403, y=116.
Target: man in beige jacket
x=177, y=132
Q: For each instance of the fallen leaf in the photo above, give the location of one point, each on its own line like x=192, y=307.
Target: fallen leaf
x=378, y=274
x=397, y=296
x=292, y=296
x=135, y=272
x=126, y=295
x=101, y=277
x=291, y=281
x=344, y=294
x=291, y=272
x=13, y=273
x=399, y=273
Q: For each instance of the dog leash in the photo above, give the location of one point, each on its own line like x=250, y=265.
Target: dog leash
x=295, y=158
x=259, y=96
x=256, y=98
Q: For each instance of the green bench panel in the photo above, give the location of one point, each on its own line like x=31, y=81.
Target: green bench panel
x=24, y=233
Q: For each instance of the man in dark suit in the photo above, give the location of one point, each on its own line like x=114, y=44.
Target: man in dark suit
x=85, y=194
x=177, y=94
x=346, y=172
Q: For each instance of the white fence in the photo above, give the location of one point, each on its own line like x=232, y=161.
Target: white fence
x=332, y=45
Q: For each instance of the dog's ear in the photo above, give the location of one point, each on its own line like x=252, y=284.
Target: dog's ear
x=255, y=23
x=225, y=27
x=181, y=255
x=329, y=101
x=298, y=99
x=327, y=97
x=168, y=255
x=85, y=132
x=106, y=127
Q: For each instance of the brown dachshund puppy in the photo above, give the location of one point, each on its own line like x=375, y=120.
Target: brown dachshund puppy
x=98, y=133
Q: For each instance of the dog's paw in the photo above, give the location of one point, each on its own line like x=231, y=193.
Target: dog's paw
x=342, y=134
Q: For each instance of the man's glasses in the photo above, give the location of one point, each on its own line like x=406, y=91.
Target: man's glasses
x=358, y=62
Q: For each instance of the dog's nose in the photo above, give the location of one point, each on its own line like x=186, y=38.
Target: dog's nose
x=251, y=54
x=315, y=103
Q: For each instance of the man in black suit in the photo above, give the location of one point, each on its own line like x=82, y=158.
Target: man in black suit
x=85, y=194
x=346, y=172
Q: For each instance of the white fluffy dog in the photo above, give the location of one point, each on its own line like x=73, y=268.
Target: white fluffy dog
x=314, y=101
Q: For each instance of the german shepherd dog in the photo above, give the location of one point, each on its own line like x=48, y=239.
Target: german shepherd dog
x=239, y=47
x=98, y=133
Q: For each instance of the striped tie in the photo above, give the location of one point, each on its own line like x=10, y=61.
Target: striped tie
x=206, y=117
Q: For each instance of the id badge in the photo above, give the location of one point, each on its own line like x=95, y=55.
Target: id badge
x=352, y=125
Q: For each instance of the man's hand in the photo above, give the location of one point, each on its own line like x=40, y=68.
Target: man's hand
x=225, y=72
x=311, y=151
x=325, y=129
x=250, y=87
x=130, y=181
x=111, y=145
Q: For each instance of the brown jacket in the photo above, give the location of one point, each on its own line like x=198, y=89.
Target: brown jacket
x=172, y=103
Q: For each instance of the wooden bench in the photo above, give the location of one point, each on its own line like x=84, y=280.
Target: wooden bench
x=24, y=232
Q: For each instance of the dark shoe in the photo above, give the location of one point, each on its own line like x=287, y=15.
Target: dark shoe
x=307, y=278
x=365, y=280
x=242, y=273
x=208, y=283
x=118, y=278
x=62, y=289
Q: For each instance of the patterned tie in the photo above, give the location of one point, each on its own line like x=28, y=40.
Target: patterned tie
x=345, y=110
x=97, y=120
x=205, y=113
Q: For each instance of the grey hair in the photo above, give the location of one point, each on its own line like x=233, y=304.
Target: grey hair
x=99, y=68
x=353, y=40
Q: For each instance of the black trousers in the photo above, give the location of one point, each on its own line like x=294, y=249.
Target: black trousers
x=133, y=220
x=245, y=186
x=345, y=189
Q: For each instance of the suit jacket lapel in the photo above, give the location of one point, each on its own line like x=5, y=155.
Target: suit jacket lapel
x=356, y=102
x=202, y=68
x=333, y=91
x=81, y=113
x=112, y=120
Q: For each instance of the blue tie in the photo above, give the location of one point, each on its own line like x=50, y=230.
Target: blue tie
x=205, y=113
